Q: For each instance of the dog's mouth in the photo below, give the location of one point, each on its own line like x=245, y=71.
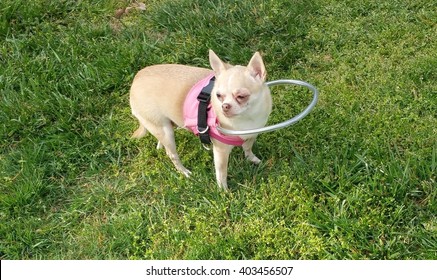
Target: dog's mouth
x=228, y=114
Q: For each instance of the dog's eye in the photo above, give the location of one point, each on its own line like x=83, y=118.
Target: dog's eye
x=241, y=98
x=219, y=95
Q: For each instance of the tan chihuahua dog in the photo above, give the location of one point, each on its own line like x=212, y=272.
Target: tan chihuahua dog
x=240, y=99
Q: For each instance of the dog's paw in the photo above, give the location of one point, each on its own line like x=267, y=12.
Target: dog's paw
x=254, y=159
x=223, y=186
x=187, y=173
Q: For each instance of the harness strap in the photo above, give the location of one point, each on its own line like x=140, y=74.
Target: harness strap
x=204, y=98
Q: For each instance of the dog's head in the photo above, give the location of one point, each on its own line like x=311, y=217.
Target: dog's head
x=237, y=89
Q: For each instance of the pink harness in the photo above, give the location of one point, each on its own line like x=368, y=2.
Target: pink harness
x=191, y=105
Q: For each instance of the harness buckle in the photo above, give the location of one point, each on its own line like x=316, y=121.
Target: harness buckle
x=204, y=97
x=202, y=130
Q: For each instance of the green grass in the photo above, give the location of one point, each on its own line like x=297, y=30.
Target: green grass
x=356, y=179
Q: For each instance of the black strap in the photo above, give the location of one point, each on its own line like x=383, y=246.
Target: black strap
x=202, y=114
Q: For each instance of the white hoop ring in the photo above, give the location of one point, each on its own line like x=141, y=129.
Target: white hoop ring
x=286, y=123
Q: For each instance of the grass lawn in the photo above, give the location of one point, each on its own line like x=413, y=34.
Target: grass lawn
x=356, y=179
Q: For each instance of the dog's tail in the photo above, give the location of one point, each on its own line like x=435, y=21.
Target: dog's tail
x=140, y=132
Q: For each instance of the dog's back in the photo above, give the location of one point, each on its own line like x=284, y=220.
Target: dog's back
x=158, y=92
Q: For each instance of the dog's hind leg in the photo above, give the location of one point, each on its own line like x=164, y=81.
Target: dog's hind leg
x=167, y=140
x=165, y=135
x=159, y=145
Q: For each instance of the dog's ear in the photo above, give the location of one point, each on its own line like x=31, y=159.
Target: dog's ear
x=256, y=67
x=216, y=63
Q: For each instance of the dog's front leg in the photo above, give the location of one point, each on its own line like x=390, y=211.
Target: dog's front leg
x=247, y=147
x=221, y=157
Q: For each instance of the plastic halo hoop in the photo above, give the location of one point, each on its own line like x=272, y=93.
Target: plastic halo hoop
x=286, y=123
